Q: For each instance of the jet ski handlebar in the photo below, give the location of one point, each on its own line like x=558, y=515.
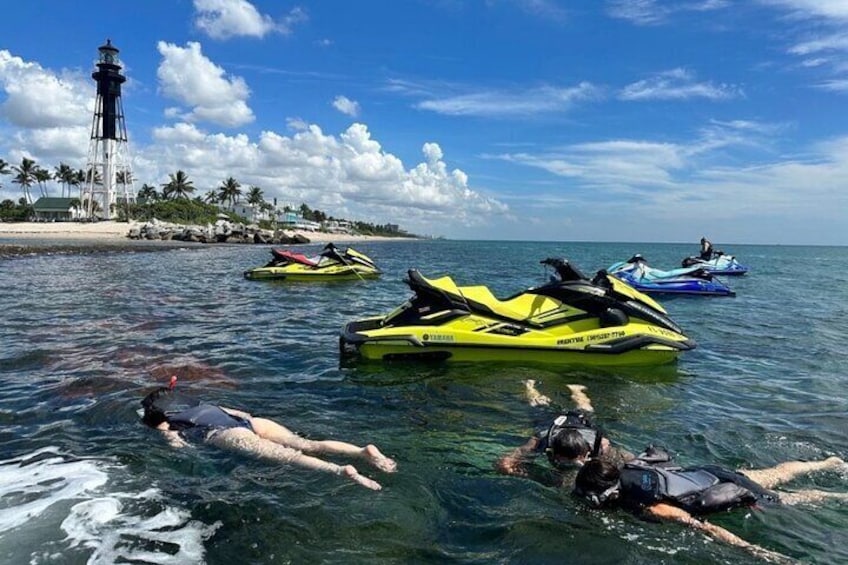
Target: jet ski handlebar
x=565, y=270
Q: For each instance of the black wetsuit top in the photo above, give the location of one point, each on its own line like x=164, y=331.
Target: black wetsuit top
x=202, y=419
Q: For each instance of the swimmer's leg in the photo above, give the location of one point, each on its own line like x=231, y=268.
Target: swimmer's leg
x=534, y=397
x=811, y=496
x=785, y=472
x=580, y=398
x=273, y=431
x=242, y=440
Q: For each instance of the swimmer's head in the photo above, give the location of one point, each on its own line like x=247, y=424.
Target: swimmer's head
x=598, y=482
x=568, y=447
x=154, y=412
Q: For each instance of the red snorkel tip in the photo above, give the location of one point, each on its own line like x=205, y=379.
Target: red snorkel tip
x=173, y=382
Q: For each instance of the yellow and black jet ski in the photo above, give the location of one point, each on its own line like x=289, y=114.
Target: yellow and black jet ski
x=571, y=320
x=330, y=265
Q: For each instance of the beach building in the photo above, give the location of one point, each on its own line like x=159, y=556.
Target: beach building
x=55, y=209
x=294, y=220
x=338, y=226
x=253, y=213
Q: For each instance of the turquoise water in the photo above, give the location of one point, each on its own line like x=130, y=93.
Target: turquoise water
x=84, y=336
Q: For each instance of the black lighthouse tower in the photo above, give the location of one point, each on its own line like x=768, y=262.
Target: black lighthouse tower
x=109, y=175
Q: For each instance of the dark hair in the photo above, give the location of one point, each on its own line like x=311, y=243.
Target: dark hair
x=153, y=414
x=595, y=479
x=569, y=443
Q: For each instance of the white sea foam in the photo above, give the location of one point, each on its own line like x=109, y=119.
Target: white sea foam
x=28, y=489
x=53, y=505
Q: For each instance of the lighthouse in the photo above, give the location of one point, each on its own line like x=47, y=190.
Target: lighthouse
x=108, y=181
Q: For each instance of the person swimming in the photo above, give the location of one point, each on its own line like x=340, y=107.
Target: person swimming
x=181, y=417
x=661, y=490
x=568, y=441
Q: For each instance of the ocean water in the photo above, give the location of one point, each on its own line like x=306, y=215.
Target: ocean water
x=84, y=335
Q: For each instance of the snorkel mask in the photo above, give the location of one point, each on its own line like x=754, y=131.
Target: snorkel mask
x=571, y=449
x=598, y=499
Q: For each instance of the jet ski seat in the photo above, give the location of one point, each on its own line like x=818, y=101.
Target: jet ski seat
x=518, y=308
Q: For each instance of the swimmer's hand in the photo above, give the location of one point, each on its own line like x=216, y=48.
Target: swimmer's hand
x=174, y=439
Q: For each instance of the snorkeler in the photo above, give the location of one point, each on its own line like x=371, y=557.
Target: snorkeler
x=182, y=417
x=569, y=440
x=659, y=490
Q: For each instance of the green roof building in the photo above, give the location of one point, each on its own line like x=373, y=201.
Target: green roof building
x=56, y=209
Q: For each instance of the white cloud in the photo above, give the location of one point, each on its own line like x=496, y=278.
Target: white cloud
x=547, y=9
x=47, y=115
x=669, y=181
x=346, y=106
x=40, y=98
x=494, y=103
x=836, y=85
x=834, y=42
x=189, y=77
x=347, y=175
x=831, y=9
x=223, y=19
x=823, y=41
x=69, y=143
x=677, y=84
x=653, y=12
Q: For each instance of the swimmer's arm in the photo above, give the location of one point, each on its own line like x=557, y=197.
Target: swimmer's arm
x=237, y=413
x=173, y=438
x=580, y=398
x=668, y=512
x=513, y=462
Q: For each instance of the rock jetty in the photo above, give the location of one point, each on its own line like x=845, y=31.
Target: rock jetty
x=222, y=231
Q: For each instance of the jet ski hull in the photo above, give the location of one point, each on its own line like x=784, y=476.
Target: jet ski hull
x=691, y=280
x=576, y=322
x=725, y=265
x=301, y=273
x=696, y=287
x=429, y=344
x=330, y=265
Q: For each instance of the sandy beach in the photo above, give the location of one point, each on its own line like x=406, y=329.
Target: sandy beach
x=116, y=232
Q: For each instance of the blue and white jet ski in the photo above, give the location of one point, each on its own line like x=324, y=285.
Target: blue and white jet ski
x=719, y=264
x=691, y=280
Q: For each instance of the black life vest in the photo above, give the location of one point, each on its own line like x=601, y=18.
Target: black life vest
x=577, y=420
x=698, y=490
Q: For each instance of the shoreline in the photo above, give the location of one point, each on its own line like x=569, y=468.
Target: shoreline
x=116, y=232
x=28, y=238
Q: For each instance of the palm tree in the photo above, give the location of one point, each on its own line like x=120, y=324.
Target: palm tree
x=229, y=191
x=64, y=174
x=95, y=173
x=211, y=197
x=42, y=176
x=255, y=199
x=123, y=177
x=78, y=181
x=147, y=193
x=25, y=177
x=4, y=168
x=178, y=186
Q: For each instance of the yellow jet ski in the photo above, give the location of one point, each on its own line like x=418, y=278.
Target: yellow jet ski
x=330, y=265
x=571, y=320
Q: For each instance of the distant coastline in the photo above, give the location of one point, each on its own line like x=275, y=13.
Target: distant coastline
x=18, y=238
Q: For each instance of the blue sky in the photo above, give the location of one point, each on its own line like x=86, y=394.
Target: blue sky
x=593, y=120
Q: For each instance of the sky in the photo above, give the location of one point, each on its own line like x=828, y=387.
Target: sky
x=538, y=120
